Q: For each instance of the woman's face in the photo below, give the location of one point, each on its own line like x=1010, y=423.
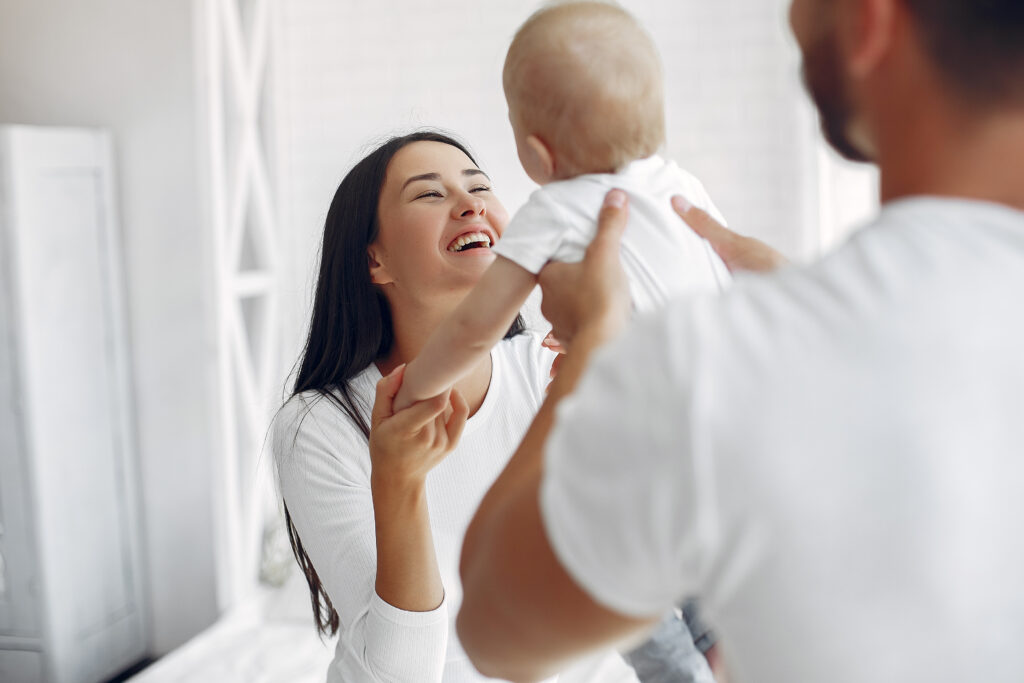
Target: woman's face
x=438, y=219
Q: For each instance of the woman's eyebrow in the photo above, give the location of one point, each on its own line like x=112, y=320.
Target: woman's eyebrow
x=437, y=176
x=424, y=176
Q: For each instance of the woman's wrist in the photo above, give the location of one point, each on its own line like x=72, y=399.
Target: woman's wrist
x=408, y=577
x=396, y=486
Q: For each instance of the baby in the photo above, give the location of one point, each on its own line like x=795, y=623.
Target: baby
x=584, y=91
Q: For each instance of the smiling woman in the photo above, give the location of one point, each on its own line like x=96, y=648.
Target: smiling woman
x=433, y=195
x=407, y=236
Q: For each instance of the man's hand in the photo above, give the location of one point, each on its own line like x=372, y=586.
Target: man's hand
x=592, y=295
x=738, y=252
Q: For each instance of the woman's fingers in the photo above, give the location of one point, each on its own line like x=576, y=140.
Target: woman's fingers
x=419, y=415
x=736, y=251
x=457, y=422
x=387, y=387
x=551, y=343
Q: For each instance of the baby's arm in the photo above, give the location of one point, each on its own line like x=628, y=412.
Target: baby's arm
x=468, y=334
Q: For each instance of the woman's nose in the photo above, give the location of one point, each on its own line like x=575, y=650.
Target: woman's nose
x=469, y=206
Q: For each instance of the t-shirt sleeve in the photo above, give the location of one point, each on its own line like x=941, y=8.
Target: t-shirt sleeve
x=323, y=472
x=534, y=234
x=622, y=495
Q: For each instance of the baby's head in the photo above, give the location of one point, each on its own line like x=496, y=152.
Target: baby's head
x=584, y=89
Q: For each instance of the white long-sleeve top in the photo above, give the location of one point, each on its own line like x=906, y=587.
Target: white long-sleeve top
x=323, y=467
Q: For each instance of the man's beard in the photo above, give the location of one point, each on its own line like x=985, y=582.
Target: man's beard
x=823, y=76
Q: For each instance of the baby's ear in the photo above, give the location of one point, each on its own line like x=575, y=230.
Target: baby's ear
x=543, y=170
x=378, y=271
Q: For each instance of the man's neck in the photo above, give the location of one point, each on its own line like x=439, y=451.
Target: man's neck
x=967, y=155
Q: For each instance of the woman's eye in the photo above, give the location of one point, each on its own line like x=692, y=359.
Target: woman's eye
x=481, y=188
x=431, y=193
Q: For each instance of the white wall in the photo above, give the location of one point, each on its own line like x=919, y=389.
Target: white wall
x=128, y=66
x=352, y=72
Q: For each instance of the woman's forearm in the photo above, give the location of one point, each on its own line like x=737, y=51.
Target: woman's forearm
x=407, y=573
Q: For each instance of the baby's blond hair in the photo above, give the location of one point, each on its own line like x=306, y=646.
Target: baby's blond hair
x=585, y=78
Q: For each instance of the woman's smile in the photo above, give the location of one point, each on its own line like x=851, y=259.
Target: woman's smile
x=473, y=239
x=438, y=218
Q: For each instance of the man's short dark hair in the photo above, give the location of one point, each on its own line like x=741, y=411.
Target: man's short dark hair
x=977, y=44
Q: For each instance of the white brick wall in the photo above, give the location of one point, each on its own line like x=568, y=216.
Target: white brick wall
x=352, y=72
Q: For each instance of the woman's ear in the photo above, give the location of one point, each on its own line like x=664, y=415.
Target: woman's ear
x=541, y=164
x=378, y=272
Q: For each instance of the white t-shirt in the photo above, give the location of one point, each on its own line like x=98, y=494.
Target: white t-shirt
x=323, y=466
x=661, y=256
x=832, y=457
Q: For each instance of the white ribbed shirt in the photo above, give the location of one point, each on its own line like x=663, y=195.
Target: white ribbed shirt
x=324, y=476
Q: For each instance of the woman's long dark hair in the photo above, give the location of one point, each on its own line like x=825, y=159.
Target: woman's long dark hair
x=351, y=323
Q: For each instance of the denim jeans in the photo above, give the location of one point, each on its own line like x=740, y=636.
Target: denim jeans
x=670, y=656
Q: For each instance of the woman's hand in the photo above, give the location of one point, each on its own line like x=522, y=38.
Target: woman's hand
x=593, y=295
x=406, y=445
x=736, y=251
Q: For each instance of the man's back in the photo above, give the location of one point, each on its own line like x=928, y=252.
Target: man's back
x=850, y=459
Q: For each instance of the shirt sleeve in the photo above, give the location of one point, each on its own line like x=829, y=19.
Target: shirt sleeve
x=534, y=234
x=622, y=493
x=323, y=474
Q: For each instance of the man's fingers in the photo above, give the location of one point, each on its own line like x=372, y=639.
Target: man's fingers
x=387, y=388
x=703, y=224
x=737, y=251
x=611, y=223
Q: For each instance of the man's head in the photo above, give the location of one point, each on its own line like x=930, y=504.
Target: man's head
x=584, y=88
x=974, y=49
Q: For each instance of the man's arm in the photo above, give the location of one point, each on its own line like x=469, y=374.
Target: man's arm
x=468, y=334
x=523, y=617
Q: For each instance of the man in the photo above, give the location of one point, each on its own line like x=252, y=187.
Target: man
x=831, y=457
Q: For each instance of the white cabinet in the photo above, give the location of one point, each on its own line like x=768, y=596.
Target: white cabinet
x=70, y=595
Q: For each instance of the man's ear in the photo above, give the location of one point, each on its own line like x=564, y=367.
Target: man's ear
x=543, y=159
x=870, y=34
x=378, y=272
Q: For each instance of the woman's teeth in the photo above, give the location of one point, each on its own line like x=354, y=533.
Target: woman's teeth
x=470, y=238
